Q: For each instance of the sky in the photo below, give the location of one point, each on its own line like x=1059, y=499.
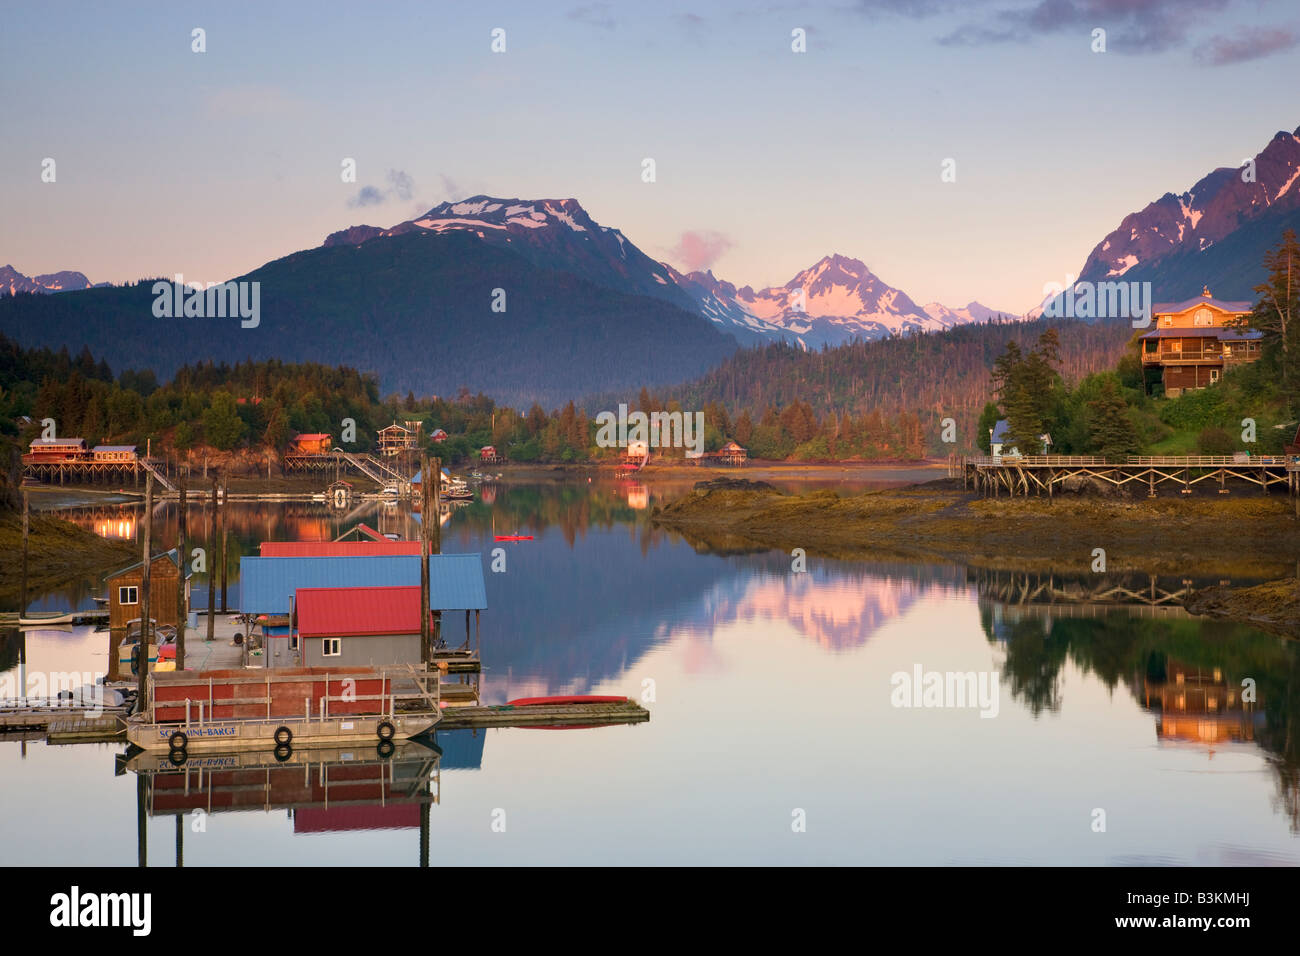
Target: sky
x=210, y=164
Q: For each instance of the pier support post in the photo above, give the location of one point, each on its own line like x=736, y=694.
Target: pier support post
x=182, y=611
x=212, y=570
x=22, y=598
x=426, y=496
x=225, y=500
x=1223, y=481
x=146, y=632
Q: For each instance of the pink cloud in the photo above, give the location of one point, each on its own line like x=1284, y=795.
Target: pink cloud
x=698, y=249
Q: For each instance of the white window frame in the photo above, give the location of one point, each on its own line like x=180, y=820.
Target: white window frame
x=327, y=642
x=134, y=591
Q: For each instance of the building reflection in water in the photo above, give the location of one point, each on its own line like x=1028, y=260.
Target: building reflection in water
x=1198, y=705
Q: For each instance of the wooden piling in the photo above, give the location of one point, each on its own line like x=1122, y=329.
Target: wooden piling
x=212, y=557
x=22, y=599
x=142, y=670
x=435, y=534
x=225, y=498
x=182, y=612
x=426, y=496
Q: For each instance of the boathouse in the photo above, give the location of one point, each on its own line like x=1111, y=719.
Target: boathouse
x=488, y=455
x=114, y=453
x=55, y=450
x=313, y=443
x=637, y=452
x=1196, y=340
x=123, y=590
x=732, y=454
x=269, y=585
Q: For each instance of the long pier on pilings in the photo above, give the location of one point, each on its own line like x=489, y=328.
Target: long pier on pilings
x=1025, y=475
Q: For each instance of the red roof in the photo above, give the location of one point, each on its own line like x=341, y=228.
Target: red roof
x=340, y=549
x=357, y=612
x=313, y=436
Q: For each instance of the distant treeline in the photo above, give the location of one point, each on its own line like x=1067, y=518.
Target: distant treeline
x=885, y=398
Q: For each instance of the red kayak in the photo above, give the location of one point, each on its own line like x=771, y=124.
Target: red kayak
x=513, y=537
x=571, y=699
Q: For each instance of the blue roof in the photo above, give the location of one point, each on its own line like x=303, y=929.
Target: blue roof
x=268, y=584
x=1000, y=432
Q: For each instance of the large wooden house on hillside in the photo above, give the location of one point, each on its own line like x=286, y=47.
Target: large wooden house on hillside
x=1193, y=342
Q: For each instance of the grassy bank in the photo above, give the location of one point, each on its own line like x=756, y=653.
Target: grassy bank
x=58, y=551
x=1236, y=537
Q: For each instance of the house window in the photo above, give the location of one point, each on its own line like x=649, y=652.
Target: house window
x=1214, y=375
x=293, y=642
x=331, y=647
x=1203, y=317
x=1169, y=320
x=128, y=595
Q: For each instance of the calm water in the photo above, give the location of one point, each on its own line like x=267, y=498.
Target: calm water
x=771, y=702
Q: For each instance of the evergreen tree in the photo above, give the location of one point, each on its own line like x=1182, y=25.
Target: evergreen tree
x=1277, y=313
x=1111, y=431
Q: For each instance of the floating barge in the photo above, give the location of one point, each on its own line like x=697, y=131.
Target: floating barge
x=231, y=710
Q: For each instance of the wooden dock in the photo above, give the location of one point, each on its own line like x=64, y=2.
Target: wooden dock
x=1026, y=475
x=85, y=730
x=543, y=715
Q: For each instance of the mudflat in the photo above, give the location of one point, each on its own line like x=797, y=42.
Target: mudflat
x=1230, y=536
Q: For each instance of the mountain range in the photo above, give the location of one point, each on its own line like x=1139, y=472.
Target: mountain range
x=833, y=301
x=587, y=311
x=12, y=281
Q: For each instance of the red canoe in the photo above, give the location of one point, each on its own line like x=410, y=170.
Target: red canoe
x=571, y=699
x=513, y=537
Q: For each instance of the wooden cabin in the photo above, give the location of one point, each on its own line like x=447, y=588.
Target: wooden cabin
x=123, y=590
x=488, y=455
x=732, y=454
x=1195, y=341
x=438, y=437
x=314, y=443
x=55, y=451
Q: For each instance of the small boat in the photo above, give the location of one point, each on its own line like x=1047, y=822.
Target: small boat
x=513, y=537
x=565, y=699
x=45, y=618
x=164, y=636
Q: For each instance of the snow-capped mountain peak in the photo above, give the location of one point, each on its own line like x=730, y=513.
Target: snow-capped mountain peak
x=836, y=299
